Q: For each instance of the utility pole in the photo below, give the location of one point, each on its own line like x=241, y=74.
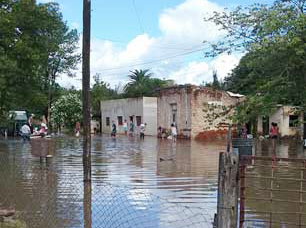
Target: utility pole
x=86, y=91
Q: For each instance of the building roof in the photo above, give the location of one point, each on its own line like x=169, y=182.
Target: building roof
x=234, y=94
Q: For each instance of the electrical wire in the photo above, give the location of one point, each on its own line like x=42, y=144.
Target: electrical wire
x=138, y=18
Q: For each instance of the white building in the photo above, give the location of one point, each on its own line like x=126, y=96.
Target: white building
x=139, y=110
x=289, y=120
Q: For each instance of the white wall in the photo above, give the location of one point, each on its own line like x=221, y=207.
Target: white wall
x=281, y=117
x=145, y=107
x=150, y=115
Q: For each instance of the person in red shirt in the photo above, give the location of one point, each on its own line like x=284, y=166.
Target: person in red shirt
x=274, y=131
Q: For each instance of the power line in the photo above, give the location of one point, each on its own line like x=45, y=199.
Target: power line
x=153, y=61
x=138, y=18
x=153, y=46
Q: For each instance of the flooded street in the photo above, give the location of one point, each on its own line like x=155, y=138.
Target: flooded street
x=150, y=183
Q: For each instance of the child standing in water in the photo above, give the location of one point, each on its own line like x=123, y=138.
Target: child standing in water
x=173, y=132
x=142, y=130
x=125, y=127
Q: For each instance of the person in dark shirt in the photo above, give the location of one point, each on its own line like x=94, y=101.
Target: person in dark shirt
x=114, y=130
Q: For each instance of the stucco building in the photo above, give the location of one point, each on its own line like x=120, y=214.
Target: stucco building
x=288, y=118
x=198, y=112
x=138, y=110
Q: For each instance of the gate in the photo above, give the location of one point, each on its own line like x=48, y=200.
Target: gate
x=272, y=192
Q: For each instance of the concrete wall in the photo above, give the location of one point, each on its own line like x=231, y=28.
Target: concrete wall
x=181, y=97
x=150, y=115
x=211, y=112
x=143, y=107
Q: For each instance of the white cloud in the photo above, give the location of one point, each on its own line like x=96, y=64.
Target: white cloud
x=183, y=30
x=185, y=24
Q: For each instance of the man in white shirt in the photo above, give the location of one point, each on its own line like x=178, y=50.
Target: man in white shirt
x=25, y=132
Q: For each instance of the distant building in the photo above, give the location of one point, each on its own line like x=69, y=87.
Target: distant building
x=198, y=112
x=288, y=118
x=136, y=110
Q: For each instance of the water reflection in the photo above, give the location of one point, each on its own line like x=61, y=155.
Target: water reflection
x=280, y=182
x=150, y=183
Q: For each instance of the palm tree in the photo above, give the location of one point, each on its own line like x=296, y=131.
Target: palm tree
x=139, y=80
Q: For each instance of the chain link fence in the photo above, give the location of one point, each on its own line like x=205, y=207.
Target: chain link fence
x=34, y=194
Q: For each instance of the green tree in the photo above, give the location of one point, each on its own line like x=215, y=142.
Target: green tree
x=216, y=84
x=101, y=91
x=141, y=84
x=67, y=110
x=35, y=46
x=273, y=71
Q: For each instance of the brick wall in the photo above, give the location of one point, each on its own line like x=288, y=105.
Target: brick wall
x=211, y=113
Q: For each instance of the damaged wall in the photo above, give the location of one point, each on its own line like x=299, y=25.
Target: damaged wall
x=201, y=112
x=211, y=112
x=175, y=101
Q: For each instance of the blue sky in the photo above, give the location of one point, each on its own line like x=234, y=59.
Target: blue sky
x=164, y=36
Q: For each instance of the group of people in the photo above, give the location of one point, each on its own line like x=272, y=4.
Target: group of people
x=273, y=133
x=27, y=129
x=164, y=133
x=129, y=128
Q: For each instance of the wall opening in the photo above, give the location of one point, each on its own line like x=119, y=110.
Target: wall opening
x=138, y=120
x=293, y=120
x=120, y=120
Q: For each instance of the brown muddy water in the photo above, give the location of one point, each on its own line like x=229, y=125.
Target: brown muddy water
x=150, y=183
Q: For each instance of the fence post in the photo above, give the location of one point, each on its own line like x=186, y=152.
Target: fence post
x=228, y=189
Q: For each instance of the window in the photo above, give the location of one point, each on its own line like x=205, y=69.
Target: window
x=107, y=121
x=174, y=111
x=138, y=120
x=131, y=118
x=293, y=120
x=173, y=117
x=120, y=122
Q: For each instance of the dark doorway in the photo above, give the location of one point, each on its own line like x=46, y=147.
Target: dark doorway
x=265, y=125
x=304, y=126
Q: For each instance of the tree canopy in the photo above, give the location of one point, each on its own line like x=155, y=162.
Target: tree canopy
x=67, y=110
x=142, y=84
x=273, y=70
x=36, y=45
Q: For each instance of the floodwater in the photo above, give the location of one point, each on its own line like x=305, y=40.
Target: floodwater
x=150, y=183
x=275, y=193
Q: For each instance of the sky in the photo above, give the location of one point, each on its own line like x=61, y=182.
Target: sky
x=164, y=36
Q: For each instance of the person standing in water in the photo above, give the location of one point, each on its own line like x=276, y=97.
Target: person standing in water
x=132, y=128
x=274, y=131
x=25, y=132
x=125, y=127
x=142, y=130
x=114, y=130
x=173, y=132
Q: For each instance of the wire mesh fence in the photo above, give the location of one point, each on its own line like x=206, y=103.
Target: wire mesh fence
x=273, y=192
x=34, y=194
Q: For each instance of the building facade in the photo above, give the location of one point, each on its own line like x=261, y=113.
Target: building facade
x=289, y=120
x=136, y=110
x=198, y=112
